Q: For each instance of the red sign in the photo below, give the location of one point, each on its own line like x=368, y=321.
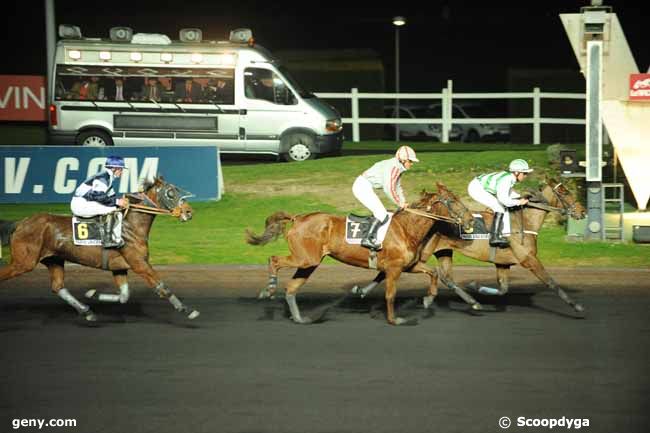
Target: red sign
x=22, y=98
x=639, y=87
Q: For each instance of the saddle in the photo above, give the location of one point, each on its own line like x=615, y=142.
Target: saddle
x=357, y=226
x=100, y=230
x=481, y=231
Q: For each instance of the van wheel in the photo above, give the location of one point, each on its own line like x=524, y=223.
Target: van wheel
x=299, y=148
x=472, y=136
x=94, y=137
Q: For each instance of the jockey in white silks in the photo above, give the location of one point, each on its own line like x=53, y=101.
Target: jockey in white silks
x=96, y=196
x=383, y=175
x=494, y=190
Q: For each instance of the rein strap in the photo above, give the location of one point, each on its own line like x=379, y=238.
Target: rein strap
x=545, y=207
x=150, y=210
x=431, y=216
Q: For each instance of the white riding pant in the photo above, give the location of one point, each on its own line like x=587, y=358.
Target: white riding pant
x=364, y=192
x=86, y=209
x=478, y=193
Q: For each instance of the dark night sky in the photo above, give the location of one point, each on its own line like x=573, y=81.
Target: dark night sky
x=442, y=39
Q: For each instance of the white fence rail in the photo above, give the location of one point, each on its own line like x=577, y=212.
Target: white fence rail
x=447, y=97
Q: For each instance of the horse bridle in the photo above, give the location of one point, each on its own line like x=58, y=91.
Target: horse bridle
x=454, y=217
x=168, y=206
x=566, y=208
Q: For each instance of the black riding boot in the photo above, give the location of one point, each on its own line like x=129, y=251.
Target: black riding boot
x=370, y=240
x=108, y=240
x=496, y=237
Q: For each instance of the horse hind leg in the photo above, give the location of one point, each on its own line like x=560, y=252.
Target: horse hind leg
x=56, y=271
x=24, y=258
x=296, y=282
x=120, y=279
x=278, y=262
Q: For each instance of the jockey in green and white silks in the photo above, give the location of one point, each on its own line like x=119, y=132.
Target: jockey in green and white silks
x=382, y=175
x=494, y=190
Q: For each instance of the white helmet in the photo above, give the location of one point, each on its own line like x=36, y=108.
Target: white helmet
x=406, y=153
x=519, y=165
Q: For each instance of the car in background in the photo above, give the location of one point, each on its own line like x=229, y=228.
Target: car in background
x=418, y=131
x=475, y=132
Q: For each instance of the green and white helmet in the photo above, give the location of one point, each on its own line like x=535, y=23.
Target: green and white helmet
x=519, y=165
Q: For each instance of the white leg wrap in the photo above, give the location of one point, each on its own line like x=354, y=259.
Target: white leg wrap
x=108, y=297
x=124, y=293
x=72, y=301
x=293, y=307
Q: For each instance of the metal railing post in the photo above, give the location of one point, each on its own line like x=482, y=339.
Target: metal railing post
x=445, y=116
x=355, y=115
x=537, y=133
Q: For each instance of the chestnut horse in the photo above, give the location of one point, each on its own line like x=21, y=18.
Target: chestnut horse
x=316, y=235
x=48, y=239
x=525, y=222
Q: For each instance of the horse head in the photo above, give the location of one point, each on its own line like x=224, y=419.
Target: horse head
x=558, y=195
x=446, y=204
x=167, y=196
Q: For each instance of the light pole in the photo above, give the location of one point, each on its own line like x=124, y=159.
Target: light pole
x=398, y=22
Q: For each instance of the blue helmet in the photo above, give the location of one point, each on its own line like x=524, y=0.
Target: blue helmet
x=114, y=162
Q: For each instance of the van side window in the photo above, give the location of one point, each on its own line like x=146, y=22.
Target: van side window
x=265, y=84
x=153, y=84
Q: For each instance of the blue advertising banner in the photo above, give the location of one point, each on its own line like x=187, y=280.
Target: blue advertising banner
x=33, y=174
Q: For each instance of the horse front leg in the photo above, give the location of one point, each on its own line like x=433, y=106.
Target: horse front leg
x=142, y=267
x=533, y=264
x=120, y=279
x=392, y=274
x=445, y=270
x=363, y=291
x=432, y=291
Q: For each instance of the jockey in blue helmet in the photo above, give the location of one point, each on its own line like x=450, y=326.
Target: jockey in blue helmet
x=96, y=196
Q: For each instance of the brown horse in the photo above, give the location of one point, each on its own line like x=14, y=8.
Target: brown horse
x=316, y=235
x=525, y=221
x=48, y=239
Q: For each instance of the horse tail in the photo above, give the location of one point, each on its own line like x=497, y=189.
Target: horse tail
x=274, y=227
x=6, y=229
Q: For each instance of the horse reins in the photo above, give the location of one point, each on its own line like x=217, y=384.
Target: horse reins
x=431, y=216
x=150, y=209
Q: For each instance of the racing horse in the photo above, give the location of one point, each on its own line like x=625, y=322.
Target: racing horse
x=48, y=239
x=526, y=221
x=315, y=235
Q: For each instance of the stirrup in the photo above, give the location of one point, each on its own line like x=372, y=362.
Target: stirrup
x=371, y=245
x=499, y=242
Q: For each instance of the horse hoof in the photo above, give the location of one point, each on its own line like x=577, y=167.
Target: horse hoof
x=427, y=301
x=355, y=290
x=477, y=307
x=90, y=293
x=193, y=315
x=303, y=321
x=89, y=316
x=404, y=322
x=579, y=308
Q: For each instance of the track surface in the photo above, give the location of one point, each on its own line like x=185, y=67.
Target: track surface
x=243, y=367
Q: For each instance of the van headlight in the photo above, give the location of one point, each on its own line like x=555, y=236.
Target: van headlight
x=333, y=125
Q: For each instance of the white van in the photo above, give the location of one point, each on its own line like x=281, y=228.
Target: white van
x=145, y=89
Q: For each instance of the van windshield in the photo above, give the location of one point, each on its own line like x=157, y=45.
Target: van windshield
x=297, y=87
